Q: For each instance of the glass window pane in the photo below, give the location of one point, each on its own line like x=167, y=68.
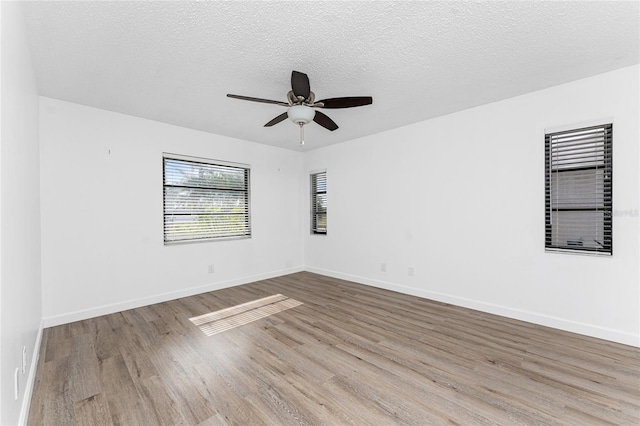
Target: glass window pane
x=578, y=189
x=319, y=203
x=204, y=201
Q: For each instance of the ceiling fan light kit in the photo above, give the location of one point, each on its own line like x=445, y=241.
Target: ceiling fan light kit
x=301, y=104
x=301, y=114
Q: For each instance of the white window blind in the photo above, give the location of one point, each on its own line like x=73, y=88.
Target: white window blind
x=204, y=200
x=578, y=190
x=319, y=203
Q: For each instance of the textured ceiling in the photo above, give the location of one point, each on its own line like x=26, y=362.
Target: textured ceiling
x=175, y=61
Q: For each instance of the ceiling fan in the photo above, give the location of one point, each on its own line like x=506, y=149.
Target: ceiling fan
x=302, y=105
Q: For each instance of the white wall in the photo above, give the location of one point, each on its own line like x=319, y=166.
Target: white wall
x=102, y=224
x=460, y=198
x=20, y=288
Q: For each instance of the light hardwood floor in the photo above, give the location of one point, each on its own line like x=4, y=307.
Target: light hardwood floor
x=350, y=354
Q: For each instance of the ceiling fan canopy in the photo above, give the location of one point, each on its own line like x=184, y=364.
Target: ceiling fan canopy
x=302, y=106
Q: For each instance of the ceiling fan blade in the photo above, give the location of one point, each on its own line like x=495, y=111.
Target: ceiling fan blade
x=325, y=121
x=265, y=101
x=300, y=84
x=276, y=120
x=347, y=102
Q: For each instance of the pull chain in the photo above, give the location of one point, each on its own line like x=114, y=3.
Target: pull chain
x=301, y=133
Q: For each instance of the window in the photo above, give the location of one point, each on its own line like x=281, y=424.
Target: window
x=319, y=203
x=204, y=199
x=578, y=190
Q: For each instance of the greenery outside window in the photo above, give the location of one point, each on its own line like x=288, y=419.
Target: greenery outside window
x=578, y=190
x=204, y=199
x=319, y=203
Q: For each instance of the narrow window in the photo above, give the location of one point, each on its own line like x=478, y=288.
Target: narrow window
x=204, y=199
x=319, y=203
x=578, y=190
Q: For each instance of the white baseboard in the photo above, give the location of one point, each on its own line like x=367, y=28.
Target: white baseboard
x=31, y=378
x=144, y=301
x=532, y=317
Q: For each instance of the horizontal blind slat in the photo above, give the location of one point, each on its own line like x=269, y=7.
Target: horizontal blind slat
x=318, y=202
x=204, y=200
x=578, y=189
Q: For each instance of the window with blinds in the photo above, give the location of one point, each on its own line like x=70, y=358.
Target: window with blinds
x=578, y=190
x=204, y=200
x=319, y=203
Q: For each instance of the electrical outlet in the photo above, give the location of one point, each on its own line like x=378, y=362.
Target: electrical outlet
x=211, y=269
x=410, y=271
x=383, y=267
x=24, y=359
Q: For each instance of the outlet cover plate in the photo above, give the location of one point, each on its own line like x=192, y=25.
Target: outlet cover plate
x=24, y=359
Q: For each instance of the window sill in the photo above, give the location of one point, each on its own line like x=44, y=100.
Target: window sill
x=578, y=252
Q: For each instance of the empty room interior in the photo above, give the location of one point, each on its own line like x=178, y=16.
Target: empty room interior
x=338, y=213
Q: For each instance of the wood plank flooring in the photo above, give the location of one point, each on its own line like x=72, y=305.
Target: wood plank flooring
x=349, y=355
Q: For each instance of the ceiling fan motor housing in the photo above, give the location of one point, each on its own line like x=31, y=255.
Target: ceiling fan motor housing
x=301, y=114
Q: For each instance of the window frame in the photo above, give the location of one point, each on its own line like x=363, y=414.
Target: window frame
x=571, y=157
x=246, y=191
x=314, y=192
